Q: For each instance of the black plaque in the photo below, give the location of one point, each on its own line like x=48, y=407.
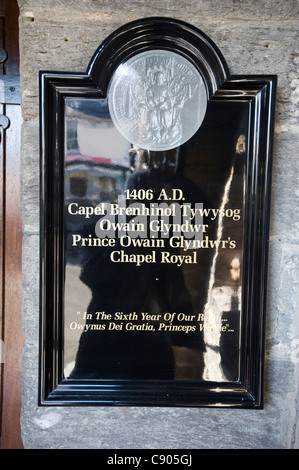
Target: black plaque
x=155, y=193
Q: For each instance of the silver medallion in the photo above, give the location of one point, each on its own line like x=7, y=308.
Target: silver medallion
x=157, y=100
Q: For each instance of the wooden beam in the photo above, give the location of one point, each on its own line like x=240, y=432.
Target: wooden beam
x=11, y=242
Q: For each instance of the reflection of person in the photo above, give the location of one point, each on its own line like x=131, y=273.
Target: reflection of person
x=127, y=288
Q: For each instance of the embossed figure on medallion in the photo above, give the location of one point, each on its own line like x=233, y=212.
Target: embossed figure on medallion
x=157, y=100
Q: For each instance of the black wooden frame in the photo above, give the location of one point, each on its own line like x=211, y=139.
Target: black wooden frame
x=259, y=92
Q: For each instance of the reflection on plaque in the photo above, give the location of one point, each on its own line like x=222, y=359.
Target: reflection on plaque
x=152, y=256
x=155, y=206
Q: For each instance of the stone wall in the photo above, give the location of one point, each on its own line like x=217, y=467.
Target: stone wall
x=255, y=37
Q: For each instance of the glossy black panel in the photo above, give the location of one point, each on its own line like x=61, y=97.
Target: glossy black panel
x=153, y=264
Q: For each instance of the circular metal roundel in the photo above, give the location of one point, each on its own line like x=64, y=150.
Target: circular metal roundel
x=157, y=99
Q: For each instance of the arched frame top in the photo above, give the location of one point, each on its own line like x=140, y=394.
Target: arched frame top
x=159, y=33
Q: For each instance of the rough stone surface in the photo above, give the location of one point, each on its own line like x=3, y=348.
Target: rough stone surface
x=256, y=37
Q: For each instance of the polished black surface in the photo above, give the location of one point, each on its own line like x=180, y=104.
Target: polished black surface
x=140, y=319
